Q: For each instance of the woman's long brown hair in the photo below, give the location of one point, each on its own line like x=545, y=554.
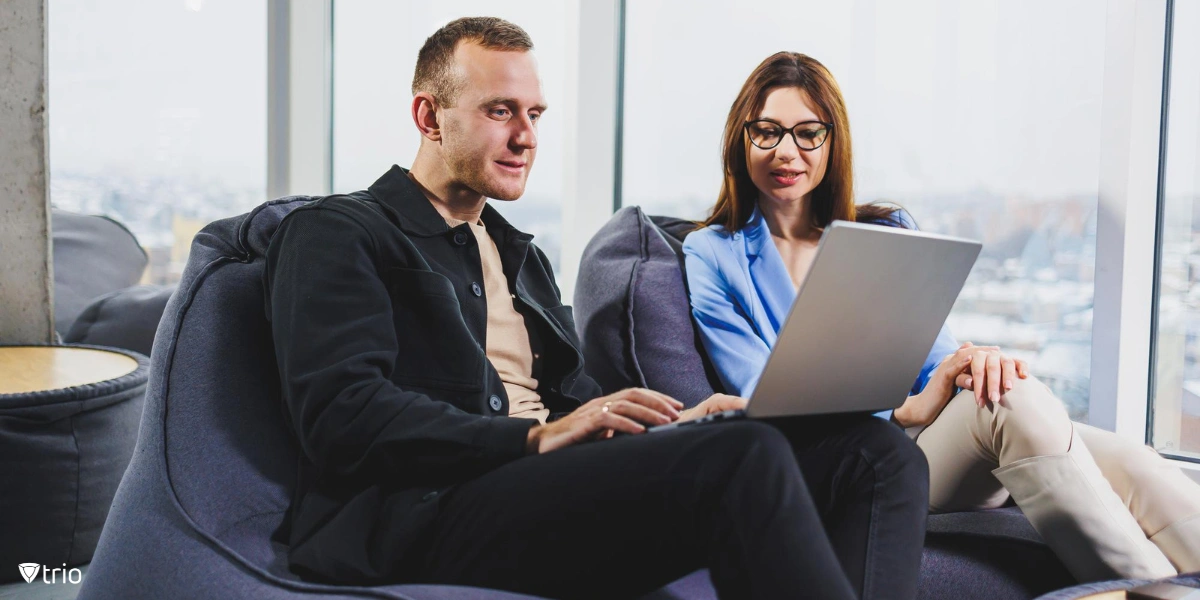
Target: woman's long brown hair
x=833, y=198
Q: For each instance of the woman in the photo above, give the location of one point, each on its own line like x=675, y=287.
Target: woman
x=1108, y=507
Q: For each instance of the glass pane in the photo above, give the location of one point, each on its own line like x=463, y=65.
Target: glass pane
x=162, y=126
x=1176, y=406
x=981, y=118
x=375, y=53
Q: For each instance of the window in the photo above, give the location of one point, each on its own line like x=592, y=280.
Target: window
x=1175, y=421
x=161, y=126
x=981, y=118
x=375, y=52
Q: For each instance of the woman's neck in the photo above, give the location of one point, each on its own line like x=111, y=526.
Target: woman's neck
x=790, y=221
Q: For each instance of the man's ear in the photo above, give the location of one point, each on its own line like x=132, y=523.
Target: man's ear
x=425, y=116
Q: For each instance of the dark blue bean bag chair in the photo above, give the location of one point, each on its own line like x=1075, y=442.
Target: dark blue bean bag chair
x=198, y=513
x=633, y=316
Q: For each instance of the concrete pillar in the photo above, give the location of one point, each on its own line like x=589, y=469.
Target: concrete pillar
x=26, y=276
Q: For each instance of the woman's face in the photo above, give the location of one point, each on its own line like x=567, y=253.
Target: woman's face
x=786, y=174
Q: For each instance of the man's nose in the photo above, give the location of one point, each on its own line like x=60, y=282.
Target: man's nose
x=525, y=135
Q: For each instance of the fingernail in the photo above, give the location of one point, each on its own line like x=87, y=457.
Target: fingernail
x=968, y=381
x=994, y=396
x=1008, y=384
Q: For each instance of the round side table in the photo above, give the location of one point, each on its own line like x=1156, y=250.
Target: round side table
x=69, y=418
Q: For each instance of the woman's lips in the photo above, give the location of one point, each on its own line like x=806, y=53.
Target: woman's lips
x=786, y=177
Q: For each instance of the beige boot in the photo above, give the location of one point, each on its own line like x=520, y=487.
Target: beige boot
x=1081, y=518
x=1180, y=541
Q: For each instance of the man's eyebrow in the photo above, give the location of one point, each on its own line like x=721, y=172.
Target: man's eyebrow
x=511, y=102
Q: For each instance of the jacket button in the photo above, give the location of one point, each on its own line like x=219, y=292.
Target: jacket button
x=429, y=496
x=460, y=238
x=496, y=403
x=475, y=289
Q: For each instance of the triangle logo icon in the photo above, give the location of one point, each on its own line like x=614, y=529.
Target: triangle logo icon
x=29, y=571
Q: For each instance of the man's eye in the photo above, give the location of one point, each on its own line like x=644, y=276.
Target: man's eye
x=535, y=116
x=499, y=112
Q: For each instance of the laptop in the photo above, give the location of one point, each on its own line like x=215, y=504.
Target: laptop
x=862, y=325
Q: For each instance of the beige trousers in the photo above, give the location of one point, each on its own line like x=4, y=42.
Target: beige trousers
x=965, y=443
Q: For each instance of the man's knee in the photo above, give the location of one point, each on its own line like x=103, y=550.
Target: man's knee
x=895, y=453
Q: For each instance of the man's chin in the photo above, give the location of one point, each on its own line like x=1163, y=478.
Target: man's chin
x=506, y=193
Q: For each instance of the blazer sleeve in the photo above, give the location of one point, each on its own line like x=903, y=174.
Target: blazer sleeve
x=336, y=346
x=738, y=353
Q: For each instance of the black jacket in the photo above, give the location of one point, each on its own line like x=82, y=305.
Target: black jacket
x=378, y=314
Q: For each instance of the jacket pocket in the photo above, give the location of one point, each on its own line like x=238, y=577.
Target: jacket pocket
x=435, y=347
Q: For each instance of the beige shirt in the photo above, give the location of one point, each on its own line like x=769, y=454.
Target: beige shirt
x=508, y=346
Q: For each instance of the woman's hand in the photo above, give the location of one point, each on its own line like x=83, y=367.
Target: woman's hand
x=990, y=374
x=923, y=408
x=714, y=404
x=627, y=411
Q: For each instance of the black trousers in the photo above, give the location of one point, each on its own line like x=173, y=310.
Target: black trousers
x=820, y=507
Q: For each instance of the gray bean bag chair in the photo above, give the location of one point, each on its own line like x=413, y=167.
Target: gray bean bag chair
x=62, y=455
x=633, y=316
x=126, y=318
x=200, y=509
x=93, y=256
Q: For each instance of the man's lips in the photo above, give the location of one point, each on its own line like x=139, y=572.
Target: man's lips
x=511, y=165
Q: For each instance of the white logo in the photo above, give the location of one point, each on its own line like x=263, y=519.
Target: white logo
x=29, y=571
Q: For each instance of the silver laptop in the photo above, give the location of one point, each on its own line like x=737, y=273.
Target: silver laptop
x=863, y=322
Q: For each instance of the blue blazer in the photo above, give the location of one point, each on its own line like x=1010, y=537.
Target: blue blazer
x=741, y=293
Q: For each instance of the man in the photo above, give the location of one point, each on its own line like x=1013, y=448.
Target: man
x=434, y=382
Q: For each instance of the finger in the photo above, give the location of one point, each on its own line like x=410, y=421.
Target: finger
x=677, y=405
x=978, y=374
x=639, y=413
x=965, y=345
x=611, y=420
x=1009, y=367
x=993, y=377
x=1022, y=368
x=653, y=400
x=963, y=381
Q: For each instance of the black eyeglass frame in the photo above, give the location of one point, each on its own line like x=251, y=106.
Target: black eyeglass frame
x=746, y=127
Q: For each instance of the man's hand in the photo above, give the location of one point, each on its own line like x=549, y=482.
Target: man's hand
x=713, y=404
x=627, y=411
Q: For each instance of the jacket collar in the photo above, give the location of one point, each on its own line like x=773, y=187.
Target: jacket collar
x=416, y=215
x=757, y=234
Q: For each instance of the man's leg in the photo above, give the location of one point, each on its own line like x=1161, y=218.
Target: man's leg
x=871, y=485
x=625, y=516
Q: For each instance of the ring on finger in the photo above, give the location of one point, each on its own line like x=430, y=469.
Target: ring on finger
x=607, y=407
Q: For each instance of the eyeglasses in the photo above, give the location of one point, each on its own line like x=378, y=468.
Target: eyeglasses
x=808, y=135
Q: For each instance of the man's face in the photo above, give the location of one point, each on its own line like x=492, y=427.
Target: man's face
x=489, y=136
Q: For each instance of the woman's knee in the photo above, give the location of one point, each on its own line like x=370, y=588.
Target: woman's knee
x=1029, y=421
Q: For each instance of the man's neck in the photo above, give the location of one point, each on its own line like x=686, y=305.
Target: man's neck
x=452, y=200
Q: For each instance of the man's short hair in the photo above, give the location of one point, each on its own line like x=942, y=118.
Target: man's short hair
x=435, y=62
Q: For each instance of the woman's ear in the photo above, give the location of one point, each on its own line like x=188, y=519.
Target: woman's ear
x=425, y=116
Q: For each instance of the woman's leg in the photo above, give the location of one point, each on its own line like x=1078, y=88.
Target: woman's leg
x=870, y=485
x=1028, y=445
x=1165, y=502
